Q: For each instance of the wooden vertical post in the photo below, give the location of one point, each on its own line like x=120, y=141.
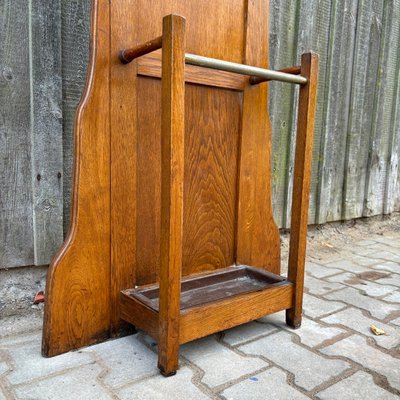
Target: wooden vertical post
x=301, y=185
x=172, y=166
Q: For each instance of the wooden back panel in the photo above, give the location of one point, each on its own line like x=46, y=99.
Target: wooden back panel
x=114, y=238
x=213, y=123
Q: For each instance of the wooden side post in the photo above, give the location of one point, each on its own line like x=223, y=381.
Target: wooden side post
x=258, y=241
x=301, y=185
x=172, y=166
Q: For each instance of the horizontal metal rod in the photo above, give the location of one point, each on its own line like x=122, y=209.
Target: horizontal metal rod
x=257, y=75
x=255, y=80
x=128, y=55
x=243, y=69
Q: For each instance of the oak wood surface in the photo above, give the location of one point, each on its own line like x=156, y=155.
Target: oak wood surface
x=209, y=221
x=211, y=151
x=78, y=281
x=209, y=287
x=212, y=316
x=172, y=178
x=123, y=145
x=150, y=65
x=128, y=55
x=301, y=185
x=215, y=317
x=258, y=241
x=117, y=229
x=139, y=315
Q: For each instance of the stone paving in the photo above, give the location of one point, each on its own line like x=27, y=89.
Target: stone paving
x=334, y=355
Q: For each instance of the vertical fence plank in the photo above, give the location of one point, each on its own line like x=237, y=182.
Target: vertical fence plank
x=392, y=189
x=16, y=230
x=356, y=168
x=282, y=53
x=382, y=121
x=313, y=34
x=75, y=32
x=333, y=143
x=46, y=128
x=361, y=108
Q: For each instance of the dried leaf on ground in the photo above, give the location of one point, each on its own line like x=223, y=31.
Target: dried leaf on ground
x=377, y=331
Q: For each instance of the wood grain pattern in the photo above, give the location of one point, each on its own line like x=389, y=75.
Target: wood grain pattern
x=128, y=55
x=137, y=314
x=314, y=34
x=392, y=190
x=202, y=313
x=282, y=106
x=301, y=185
x=209, y=287
x=211, y=142
x=361, y=108
x=16, y=244
x=135, y=187
x=148, y=190
x=123, y=130
x=338, y=77
x=75, y=35
x=77, y=311
x=382, y=122
x=210, y=25
x=215, y=317
x=150, y=65
x=258, y=241
x=46, y=128
x=204, y=36
x=172, y=177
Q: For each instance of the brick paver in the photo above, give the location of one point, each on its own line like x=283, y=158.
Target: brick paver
x=359, y=386
x=357, y=321
x=271, y=384
x=333, y=356
x=315, y=370
x=375, y=307
x=219, y=363
x=356, y=348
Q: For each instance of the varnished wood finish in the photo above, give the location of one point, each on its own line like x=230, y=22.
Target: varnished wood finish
x=150, y=65
x=123, y=123
x=210, y=287
x=258, y=241
x=154, y=197
x=215, y=317
x=77, y=307
x=142, y=317
x=128, y=55
x=209, y=219
x=268, y=294
x=172, y=177
x=301, y=185
x=210, y=192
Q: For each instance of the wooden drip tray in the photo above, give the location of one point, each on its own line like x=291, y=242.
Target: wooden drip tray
x=211, y=302
x=211, y=287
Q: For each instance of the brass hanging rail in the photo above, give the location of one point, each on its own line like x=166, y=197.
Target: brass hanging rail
x=257, y=75
x=266, y=74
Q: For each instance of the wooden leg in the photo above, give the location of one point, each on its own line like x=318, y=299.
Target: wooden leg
x=172, y=166
x=301, y=185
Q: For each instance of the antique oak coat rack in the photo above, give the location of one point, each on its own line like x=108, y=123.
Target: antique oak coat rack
x=172, y=227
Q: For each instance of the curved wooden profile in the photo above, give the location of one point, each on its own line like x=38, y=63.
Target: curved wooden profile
x=258, y=241
x=114, y=236
x=78, y=281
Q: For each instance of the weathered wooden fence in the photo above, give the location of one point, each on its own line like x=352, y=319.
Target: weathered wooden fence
x=43, y=59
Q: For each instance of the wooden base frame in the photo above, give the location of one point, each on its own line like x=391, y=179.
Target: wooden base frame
x=176, y=312
x=154, y=234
